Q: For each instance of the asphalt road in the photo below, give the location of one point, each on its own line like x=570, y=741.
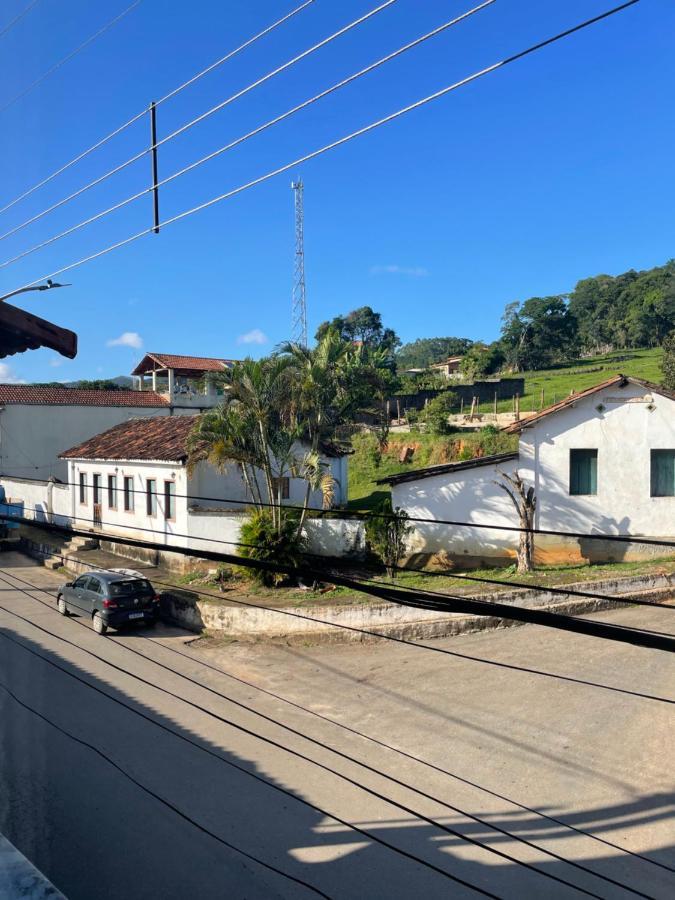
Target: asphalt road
x=139, y=766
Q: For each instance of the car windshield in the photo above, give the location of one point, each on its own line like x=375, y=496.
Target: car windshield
x=137, y=586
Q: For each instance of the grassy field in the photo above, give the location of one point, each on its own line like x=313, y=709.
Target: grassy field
x=557, y=384
x=365, y=467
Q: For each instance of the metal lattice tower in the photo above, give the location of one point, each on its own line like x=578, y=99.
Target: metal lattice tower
x=299, y=307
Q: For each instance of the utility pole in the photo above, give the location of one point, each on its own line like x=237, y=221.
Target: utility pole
x=299, y=305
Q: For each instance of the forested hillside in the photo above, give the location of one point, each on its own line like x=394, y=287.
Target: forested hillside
x=602, y=314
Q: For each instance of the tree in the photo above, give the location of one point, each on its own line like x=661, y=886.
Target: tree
x=424, y=352
x=481, y=360
x=436, y=412
x=538, y=333
x=668, y=364
x=525, y=502
x=363, y=326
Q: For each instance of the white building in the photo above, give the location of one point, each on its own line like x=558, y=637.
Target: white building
x=601, y=462
x=132, y=480
x=37, y=422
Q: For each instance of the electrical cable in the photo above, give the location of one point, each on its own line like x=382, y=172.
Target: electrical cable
x=334, y=144
x=154, y=794
x=256, y=131
x=286, y=792
x=569, y=592
x=43, y=554
x=168, y=96
x=67, y=58
x=18, y=18
x=339, y=753
x=203, y=116
x=452, y=604
x=369, y=514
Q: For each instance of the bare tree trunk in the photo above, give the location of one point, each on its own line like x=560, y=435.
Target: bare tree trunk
x=525, y=503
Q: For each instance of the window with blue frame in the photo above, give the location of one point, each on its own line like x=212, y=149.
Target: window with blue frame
x=583, y=472
x=663, y=473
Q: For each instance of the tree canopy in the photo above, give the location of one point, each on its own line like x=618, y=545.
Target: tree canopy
x=424, y=352
x=362, y=326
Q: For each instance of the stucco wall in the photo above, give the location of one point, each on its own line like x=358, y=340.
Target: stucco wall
x=470, y=495
x=623, y=424
x=31, y=437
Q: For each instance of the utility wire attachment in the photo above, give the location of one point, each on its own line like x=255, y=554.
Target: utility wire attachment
x=153, y=148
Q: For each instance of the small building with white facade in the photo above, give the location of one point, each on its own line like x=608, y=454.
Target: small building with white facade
x=602, y=462
x=133, y=480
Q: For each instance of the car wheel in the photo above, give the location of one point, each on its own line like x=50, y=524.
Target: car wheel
x=61, y=605
x=99, y=625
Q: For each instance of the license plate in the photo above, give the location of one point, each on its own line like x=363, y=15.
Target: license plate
x=135, y=615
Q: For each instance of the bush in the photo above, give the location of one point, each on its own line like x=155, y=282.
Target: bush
x=386, y=535
x=261, y=540
x=493, y=440
x=436, y=413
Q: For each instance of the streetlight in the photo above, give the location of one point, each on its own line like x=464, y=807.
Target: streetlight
x=38, y=287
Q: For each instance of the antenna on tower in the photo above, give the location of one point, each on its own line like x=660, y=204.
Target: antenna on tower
x=299, y=306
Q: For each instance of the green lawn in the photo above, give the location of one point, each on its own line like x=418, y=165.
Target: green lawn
x=365, y=467
x=558, y=383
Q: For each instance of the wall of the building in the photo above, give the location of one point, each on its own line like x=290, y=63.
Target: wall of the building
x=623, y=424
x=31, y=437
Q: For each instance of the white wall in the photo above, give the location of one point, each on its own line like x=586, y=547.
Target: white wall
x=31, y=437
x=623, y=432
x=469, y=495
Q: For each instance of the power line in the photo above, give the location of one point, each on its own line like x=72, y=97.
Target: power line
x=518, y=585
x=451, y=604
x=417, y=859
x=205, y=115
x=346, y=756
x=168, y=96
x=245, y=137
x=365, y=515
x=333, y=145
x=511, y=667
x=67, y=58
x=18, y=17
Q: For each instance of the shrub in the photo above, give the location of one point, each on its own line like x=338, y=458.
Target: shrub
x=493, y=440
x=437, y=411
x=386, y=533
x=261, y=540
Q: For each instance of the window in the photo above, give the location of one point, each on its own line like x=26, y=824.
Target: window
x=583, y=472
x=94, y=585
x=663, y=473
x=169, y=500
x=97, y=489
x=151, y=497
x=281, y=487
x=112, y=491
x=81, y=582
x=128, y=494
x=83, y=488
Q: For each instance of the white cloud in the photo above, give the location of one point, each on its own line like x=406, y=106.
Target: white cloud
x=7, y=376
x=128, y=339
x=256, y=336
x=55, y=362
x=410, y=271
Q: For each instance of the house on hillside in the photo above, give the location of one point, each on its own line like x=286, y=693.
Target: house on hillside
x=182, y=380
x=450, y=367
x=602, y=462
x=132, y=480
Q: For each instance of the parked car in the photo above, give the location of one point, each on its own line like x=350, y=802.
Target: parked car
x=110, y=599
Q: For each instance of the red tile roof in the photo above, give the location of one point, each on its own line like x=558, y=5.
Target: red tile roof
x=170, y=361
x=47, y=396
x=155, y=438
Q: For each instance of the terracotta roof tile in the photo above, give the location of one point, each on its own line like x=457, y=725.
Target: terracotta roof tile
x=156, y=437
x=172, y=361
x=47, y=396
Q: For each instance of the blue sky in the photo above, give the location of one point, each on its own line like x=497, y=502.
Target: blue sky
x=547, y=171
